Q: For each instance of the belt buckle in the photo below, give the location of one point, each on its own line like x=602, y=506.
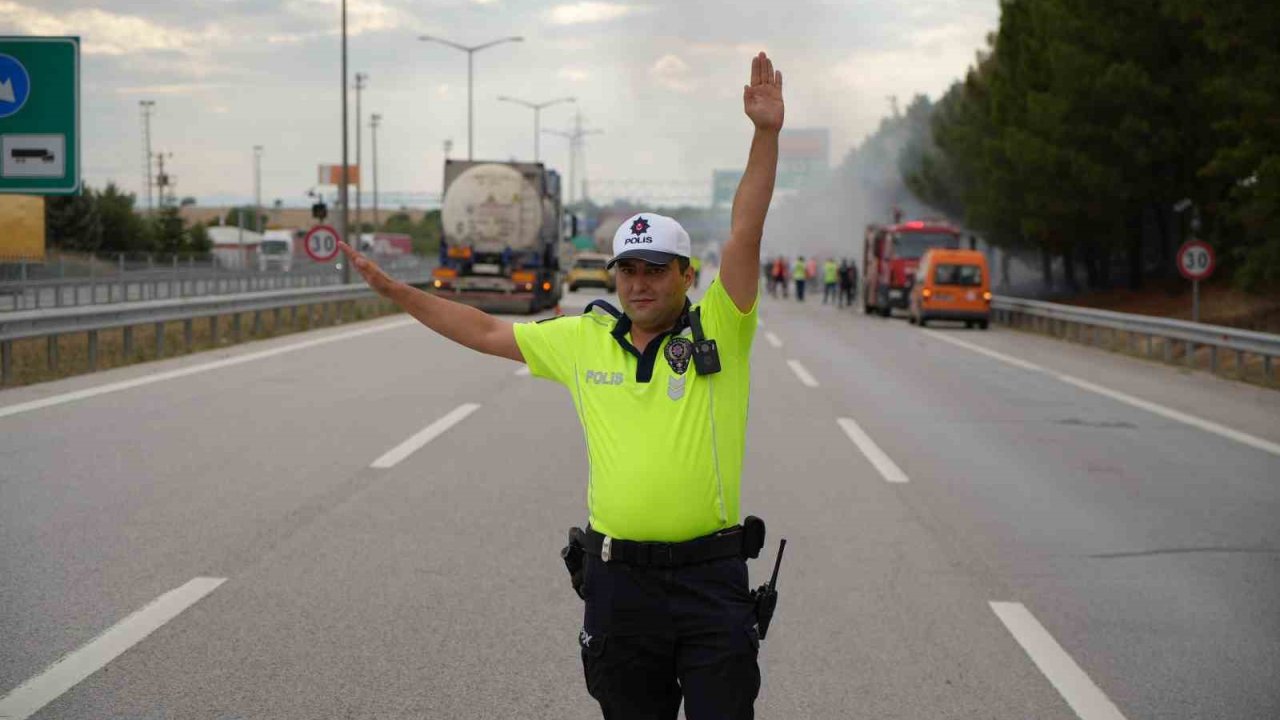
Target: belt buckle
x=663, y=555
x=606, y=549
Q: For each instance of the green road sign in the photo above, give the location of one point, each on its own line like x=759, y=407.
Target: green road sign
x=40, y=115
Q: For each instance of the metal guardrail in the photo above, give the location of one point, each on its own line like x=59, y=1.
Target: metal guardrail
x=1142, y=333
x=122, y=282
x=54, y=323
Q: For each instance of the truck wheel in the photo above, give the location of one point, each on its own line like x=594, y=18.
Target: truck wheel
x=923, y=321
x=982, y=324
x=886, y=311
x=911, y=319
x=573, y=288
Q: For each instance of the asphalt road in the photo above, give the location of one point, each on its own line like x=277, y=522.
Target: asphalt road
x=969, y=535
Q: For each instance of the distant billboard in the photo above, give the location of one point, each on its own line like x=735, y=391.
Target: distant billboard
x=332, y=175
x=804, y=157
x=724, y=184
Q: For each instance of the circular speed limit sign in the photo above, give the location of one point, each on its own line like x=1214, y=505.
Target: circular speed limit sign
x=321, y=243
x=1195, y=260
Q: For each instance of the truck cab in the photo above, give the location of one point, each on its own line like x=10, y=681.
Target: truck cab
x=890, y=257
x=275, y=252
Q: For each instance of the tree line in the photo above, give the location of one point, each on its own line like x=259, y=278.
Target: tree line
x=107, y=220
x=1101, y=135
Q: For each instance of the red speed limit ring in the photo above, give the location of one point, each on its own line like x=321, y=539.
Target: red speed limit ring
x=321, y=243
x=1195, y=260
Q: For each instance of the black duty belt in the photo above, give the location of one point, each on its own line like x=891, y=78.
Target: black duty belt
x=726, y=543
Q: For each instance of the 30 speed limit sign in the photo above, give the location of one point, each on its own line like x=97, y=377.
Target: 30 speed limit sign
x=321, y=243
x=1195, y=260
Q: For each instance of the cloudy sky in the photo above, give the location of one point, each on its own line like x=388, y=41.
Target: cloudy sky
x=661, y=80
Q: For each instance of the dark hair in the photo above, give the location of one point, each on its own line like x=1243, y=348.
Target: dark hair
x=682, y=263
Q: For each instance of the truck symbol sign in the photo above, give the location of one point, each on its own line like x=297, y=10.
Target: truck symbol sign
x=33, y=156
x=25, y=155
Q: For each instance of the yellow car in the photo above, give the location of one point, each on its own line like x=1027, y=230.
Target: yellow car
x=588, y=271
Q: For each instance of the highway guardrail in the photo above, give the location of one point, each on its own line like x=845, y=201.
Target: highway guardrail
x=1174, y=340
x=91, y=319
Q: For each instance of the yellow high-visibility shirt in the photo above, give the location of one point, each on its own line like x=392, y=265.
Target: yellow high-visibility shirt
x=664, y=444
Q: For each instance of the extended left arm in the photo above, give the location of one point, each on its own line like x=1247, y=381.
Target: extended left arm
x=740, y=265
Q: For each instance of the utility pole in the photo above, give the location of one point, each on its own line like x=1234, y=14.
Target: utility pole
x=360, y=78
x=147, y=107
x=257, y=187
x=342, y=187
x=577, y=152
x=374, y=119
x=162, y=178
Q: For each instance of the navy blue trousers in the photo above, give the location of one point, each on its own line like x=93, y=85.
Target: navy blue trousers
x=652, y=637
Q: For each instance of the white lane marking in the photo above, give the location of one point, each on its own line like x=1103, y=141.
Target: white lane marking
x=989, y=353
x=888, y=469
x=1089, y=702
x=1168, y=412
x=801, y=373
x=773, y=339
x=67, y=672
x=523, y=371
x=424, y=436
x=192, y=370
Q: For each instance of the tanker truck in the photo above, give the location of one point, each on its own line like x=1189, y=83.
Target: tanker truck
x=501, y=231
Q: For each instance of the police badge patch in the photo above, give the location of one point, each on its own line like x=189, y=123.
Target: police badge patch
x=679, y=352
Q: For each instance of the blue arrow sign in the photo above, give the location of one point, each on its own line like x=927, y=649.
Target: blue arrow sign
x=15, y=86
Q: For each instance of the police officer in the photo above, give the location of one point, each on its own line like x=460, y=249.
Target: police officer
x=661, y=390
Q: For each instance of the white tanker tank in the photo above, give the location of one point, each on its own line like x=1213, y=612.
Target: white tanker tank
x=491, y=207
x=500, y=226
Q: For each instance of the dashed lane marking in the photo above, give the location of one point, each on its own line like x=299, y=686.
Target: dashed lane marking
x=773, y=339
x=67, y=672
x=802, y=374
x=887, y=468
x=1075, y=686
x=424, y=436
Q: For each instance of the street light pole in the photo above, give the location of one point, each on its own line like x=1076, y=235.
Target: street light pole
x=374, y=119
x=470, y=50
x=257, y=187
x=342, y=186
x=360, y=78
x=537, y=110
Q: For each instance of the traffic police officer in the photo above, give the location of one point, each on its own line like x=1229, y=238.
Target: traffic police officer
x=661, y=389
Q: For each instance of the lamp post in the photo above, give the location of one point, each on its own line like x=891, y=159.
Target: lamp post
x=359, y=86
x=374, y=120
x=342, y=186
x=257, y=187
x=537, y=111
x=471, y=52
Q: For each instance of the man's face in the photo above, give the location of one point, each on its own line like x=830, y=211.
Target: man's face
x=652, y=295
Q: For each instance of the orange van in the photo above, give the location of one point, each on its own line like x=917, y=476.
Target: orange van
x=952, y=285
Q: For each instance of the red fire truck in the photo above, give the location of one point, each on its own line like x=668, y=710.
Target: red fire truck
x=889, y=258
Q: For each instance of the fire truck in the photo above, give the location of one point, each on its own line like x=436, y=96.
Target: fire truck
x=890, y=255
